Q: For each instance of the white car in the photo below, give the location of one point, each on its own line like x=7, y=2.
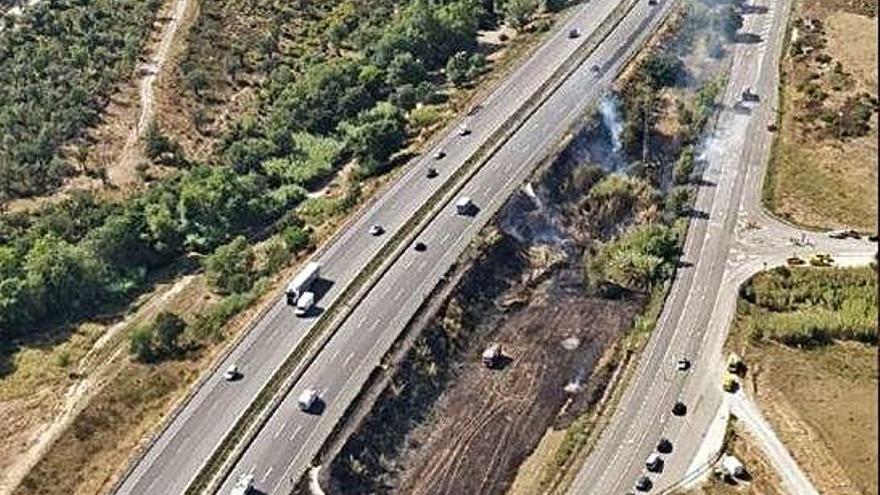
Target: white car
x=682, y=364
x=439, y=154
x=307, y=399
x=463, y=130
x=243, y=485
x=376, y=230
x=231, y=373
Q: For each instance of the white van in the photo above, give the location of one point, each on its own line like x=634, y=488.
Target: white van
x=654, y=462
x=307, y=399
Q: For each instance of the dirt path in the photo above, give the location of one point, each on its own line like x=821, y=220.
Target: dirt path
x=96, y=368
x=124, y=171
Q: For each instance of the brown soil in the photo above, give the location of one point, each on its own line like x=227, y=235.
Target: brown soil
x=816, y=179
x=763, y=478
x=823, y=405
x=489, y=421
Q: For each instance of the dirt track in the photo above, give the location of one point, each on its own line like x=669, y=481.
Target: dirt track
x=483, y=426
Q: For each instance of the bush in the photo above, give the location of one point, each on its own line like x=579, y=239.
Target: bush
x=463, y=67
x=684, y=166
x=230, y=270
x=639, y=260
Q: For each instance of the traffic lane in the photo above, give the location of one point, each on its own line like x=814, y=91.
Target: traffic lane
x=709, y=271
x=700, y=312
x=622, y=436
x=547, y=57
x=412, y=272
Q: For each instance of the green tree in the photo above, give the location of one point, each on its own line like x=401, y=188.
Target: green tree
x=230, y=269
x=678, y=202
x=517, y=13
x=140, y=344
x=684, y=166
x=375, y=136
x=167, y=329
x=463, y=67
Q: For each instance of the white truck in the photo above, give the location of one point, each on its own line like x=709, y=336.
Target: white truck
x=243, y=486
x=301, y=282
x=304, y=304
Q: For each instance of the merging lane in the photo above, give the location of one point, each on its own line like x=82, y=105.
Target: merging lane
x=172, y=461
x=290, y=439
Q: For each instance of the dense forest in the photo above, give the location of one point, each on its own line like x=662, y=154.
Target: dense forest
x=58, y=66
x=73, y=259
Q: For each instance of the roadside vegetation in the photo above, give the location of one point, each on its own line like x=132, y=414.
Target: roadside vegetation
x=59, y=64
x=625, y=227
x=824, y=168
x=808, y=337
x=225, y=222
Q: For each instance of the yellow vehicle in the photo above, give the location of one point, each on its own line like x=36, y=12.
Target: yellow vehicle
x=794, y=261
x=730, y=384
x=821, y=259
x=734, y=363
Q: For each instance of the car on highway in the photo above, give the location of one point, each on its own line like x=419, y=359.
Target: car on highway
x=376, y=230
x=654, y=463
x=463, y=130
x=772, y=127
x=439, y=154
x=308, y=399
x=231, y=373
x=431, y=173
x=652, y=2
x=643, y=484
x=420, y=246
x=573, y=33
x=682, y=364
x=844, y=234
x=595, y=68
x=679, y=409
x=664, y=446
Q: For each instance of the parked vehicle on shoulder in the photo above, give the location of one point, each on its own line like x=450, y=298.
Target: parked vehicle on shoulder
x=308, y=399
x=231, y=373
x=794, y=261
x=730, y=385
x=463, y=130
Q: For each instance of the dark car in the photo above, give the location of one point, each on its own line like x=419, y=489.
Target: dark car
x=420, y=246
x=771, y=127
x=664, y=446
x=574, y=33
x=679, y=409
x=432, y=172
x=652, y=2
x=643, y=484
x=874, y=238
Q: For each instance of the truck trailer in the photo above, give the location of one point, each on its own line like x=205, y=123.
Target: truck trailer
x=302, y=281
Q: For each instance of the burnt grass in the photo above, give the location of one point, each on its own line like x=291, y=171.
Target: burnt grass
x=448, y=425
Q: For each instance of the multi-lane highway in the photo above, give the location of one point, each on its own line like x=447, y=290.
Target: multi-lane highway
x=702, y=299
x=290, y=439
x=177, y=454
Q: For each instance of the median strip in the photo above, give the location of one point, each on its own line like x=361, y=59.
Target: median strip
x=233, y=446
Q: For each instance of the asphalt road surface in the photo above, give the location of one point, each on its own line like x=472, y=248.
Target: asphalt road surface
x=701, y=302
x=178, y=453
x=288, y=442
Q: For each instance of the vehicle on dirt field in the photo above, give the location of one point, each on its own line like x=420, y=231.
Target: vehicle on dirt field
x=492, y=356
x=643, y=484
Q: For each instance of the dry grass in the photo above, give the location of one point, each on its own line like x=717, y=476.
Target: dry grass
x=825, y=182
x=764, y=480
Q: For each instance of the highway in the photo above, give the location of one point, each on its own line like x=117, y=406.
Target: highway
x=285, y=447
x=174, y=457
x=736, y=239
